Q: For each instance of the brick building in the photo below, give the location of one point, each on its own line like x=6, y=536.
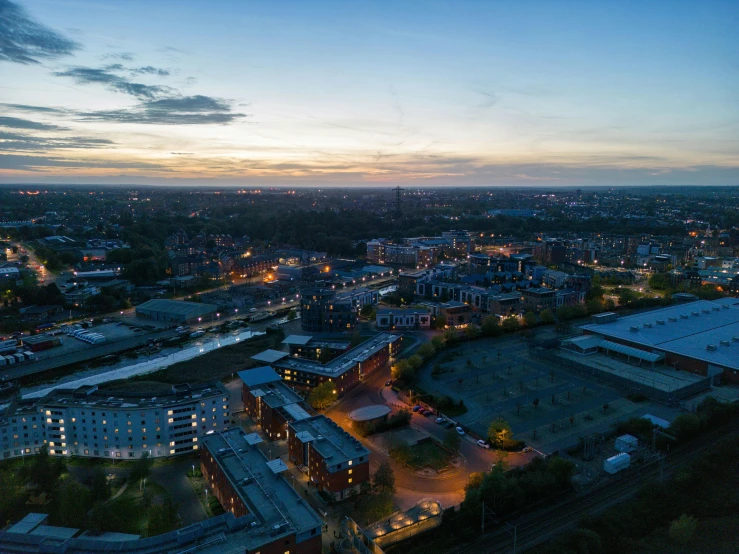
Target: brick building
x=335, y=462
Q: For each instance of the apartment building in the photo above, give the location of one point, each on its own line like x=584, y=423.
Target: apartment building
x=251, y=487
x=335, y=462
x=103, y=424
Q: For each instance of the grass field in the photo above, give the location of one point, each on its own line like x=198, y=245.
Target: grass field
x=217, y=365
x=429, y=454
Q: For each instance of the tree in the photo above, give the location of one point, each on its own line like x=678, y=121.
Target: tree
x=366, y=310
x=683, y=528
x=292, y=315
x=415, y=362
x=404, y=371
x=73, y=502
x=511, y=324
x=401, y=454
x=322, y=396
x=163, y=518
x=426, y=350
x=490, y=326
x=12, y=495
x=450, y=336
x=142, y=467
x=384, y=479
x=472, y=331
x=452, y=441
x=605, y=407
x=546, y=316
x=529, y=319
x=535, y=402
x=439, y=322
x=499, y=432
x=438, y=343
x=99, y=489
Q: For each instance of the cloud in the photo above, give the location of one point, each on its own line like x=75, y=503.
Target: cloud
x=183, y=110
x=25, y=41
x=106, y=77
x=12, y=141
x=125, y=56
x=34, y=163
x=18, y=123
x=489, y=100
x=149, y=70
x=33, y=109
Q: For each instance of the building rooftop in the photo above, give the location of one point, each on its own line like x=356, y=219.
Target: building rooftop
x=88, y=396
x=269, y=356
x=343, y=362
x=335, y=445
x=276, y=507
x=258, y=376
x=703, y=330
x=301, y=340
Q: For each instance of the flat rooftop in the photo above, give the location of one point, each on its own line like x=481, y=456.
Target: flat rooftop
x=703, y=330
x=88, y=396
x=269, y=356
x=267, y=495
x=334, y=444
x=341, y=363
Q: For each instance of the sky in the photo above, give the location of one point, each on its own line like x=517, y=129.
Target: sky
x=320, y=93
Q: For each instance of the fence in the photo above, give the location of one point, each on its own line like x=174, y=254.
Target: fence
x=670, y=398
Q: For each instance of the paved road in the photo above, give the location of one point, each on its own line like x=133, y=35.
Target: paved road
x=412, y=488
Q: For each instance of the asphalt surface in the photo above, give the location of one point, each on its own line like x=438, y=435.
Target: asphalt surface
x=411, y=488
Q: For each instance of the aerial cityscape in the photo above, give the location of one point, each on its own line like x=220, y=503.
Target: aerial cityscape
x=418, y=278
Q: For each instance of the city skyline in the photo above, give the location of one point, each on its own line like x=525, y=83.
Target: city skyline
x=327, y=94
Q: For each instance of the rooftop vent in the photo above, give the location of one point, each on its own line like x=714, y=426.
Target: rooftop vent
x=716, y=308
x=648, y=325
x=711, y=347
x=634, y=328
x=672, y=319
x=725, y=343
x=735, y=338
x=725, y=306
x=695, y=313
x=660, y=322
x=683, y=316
x=706, y=311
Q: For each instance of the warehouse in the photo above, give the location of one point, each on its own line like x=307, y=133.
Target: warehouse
x=700, y=337
x=176, y=311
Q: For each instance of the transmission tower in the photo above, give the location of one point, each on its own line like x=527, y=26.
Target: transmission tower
x=398, y=212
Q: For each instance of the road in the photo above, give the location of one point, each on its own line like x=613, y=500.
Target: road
x=412, y=488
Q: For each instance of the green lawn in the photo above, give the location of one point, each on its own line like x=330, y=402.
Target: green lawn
x=429, y=454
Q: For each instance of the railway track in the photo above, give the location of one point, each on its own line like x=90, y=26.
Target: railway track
x=533, y=529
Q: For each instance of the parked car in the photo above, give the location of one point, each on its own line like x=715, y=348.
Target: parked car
x=416, y=408
x=460, y=431
x=119, y=324
x=482, y=444
x=448, y=425
x=388, y=383
x=440, y=420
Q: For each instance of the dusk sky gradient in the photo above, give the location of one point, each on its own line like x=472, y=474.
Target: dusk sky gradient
x=367, y=93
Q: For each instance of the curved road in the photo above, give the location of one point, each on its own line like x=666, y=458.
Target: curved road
x=411, y=488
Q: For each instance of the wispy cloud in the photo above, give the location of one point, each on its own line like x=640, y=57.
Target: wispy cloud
x=25, y=41
x=185, y=110
x=107, y=77
x=20, y=123
x=33, y=109
x=13, y=142
x=149, y=70
x=35, y=163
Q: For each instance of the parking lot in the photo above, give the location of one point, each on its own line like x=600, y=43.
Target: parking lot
x=545, y=405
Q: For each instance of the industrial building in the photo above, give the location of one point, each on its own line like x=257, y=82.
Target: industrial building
x=103, y=424
x=698, y=337
x=176, y=311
